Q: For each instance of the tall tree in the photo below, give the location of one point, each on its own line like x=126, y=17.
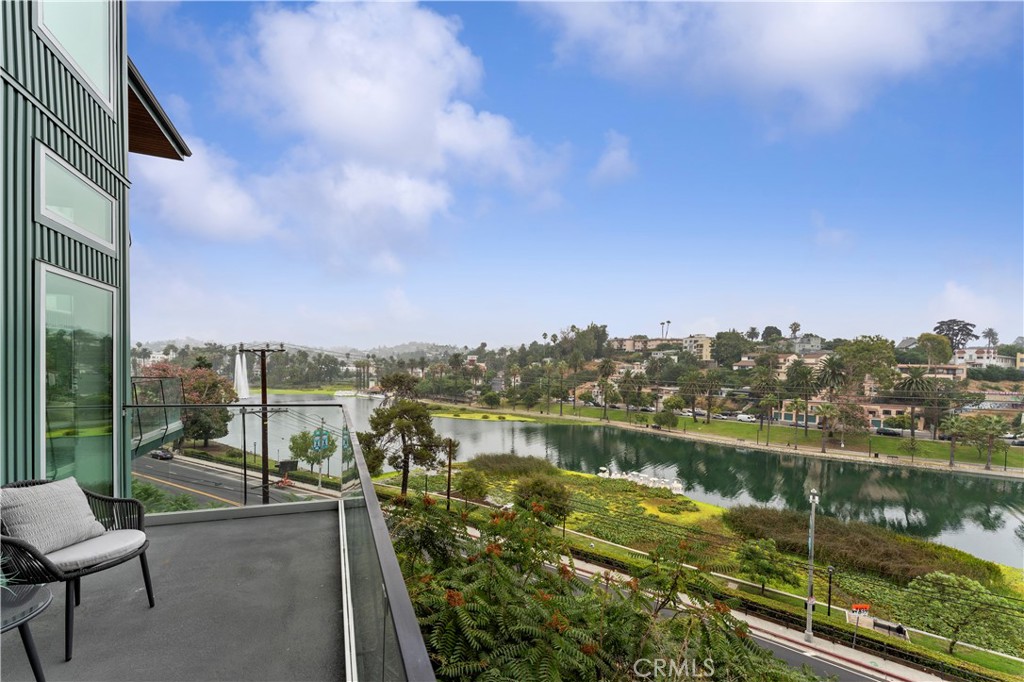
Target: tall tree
x=832, y=376
x=753, y=333
x=799, y=405
x=800, y=383
x=827, y=414
x=771, y=333
x=451, y=449
x=992, y=336
x=985, y=431
x=958, y=332
x=959, y=608
x=869, y=355
x=401, y=434
x=794, y=329
x=690, y=386
x=936, y=347
x=201, y=386
x=914, y=389
x=301, y=446
x=954, y=426
x=729, y=347
x=605, y=369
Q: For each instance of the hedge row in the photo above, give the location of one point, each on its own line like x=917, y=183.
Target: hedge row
x=235, y=460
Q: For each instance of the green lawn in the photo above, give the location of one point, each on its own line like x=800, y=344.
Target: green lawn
x=322, y=390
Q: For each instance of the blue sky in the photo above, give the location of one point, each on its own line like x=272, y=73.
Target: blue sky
x=366, y=175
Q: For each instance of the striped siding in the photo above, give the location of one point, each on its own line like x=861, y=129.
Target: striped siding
x=61, y=113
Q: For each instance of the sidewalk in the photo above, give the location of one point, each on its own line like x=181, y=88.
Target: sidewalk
x=819, y=648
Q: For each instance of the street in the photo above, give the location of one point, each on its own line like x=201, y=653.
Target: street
x=206, y=484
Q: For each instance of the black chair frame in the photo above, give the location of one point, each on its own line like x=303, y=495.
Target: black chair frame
x=24, y=564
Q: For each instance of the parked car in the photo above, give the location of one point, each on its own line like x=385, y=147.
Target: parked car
x=719, y=416
x=647, y=408
x=1017, y=441
x=749, y=418
x=886, y=431
x=945, y=436
x=700, y=413
x=162, y=454
x=684, y=413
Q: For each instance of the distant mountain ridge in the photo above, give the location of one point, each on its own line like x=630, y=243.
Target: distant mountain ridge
x=411, y=348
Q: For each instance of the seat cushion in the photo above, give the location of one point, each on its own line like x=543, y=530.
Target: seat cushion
x=49, y=516
x=110, y=545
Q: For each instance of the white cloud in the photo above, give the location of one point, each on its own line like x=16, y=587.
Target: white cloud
x=379, y=83
x=206, y=195
x=957, y=301
x=369, y=100
x=616, y=162
x=821, y=62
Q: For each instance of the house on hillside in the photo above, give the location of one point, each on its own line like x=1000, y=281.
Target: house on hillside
x=982, y=356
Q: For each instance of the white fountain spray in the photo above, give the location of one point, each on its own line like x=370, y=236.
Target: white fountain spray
x=241, y=376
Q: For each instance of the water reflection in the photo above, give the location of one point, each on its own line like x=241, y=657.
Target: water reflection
x=974, y=513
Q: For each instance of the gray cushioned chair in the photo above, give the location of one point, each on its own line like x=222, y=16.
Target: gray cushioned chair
x=68, y=540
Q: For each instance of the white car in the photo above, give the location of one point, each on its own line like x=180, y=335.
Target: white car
x=746, y=418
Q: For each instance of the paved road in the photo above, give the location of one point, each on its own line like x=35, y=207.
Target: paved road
x=797, y=658
x=205, y=485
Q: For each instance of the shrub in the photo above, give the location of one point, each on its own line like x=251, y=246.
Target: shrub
x=545, y=491
x=860, y=546
x=678, y=507
x=505, y=464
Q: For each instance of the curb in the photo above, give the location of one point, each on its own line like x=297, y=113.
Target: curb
x=844, y=659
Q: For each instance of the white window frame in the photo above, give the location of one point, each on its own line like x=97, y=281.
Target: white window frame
x=58, y=48
x=42, y=269
x=61, y=223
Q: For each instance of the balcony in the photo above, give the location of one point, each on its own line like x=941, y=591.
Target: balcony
x=155, y=417
x=299, y=591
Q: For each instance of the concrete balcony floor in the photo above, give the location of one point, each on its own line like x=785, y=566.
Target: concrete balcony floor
x=254, y=598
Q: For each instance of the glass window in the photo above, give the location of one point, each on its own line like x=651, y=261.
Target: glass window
x=78, y=381
x=81, y=30
x=71, y=200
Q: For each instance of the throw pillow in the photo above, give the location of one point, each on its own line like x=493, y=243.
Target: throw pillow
x=49, y=516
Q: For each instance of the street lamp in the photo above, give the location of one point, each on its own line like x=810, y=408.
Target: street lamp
x=808, y=634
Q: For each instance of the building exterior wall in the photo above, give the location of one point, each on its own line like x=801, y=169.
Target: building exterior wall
x=47, y=104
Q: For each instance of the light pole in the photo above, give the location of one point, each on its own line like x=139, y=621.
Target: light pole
x=808, y=634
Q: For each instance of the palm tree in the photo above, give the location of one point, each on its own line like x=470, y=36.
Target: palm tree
x=767, y=404
x=668, y=323
x=451, y=448
x=604, y=370
x=753, y=334
x=831, y=376
x=689, y=388
x=914, y=388
x=798, y=405
x=794, y=329
x=800, y=382
x=955, y=427
x=711, y=383
x=826, y=413
x=563, y=369
x=576, y=362
x=990, y=427
x=765, y=383
x=991, y=336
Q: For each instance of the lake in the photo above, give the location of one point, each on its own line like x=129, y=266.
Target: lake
x=978, y=514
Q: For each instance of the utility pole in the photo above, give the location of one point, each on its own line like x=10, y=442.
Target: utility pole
x=262, y=352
